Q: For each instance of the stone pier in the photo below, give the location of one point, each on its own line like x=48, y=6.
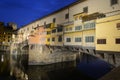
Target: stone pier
x=42, y=55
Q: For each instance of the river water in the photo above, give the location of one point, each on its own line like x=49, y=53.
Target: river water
x=87, y=67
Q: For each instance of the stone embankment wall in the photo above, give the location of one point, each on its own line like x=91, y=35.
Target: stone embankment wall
x=43, y=55
x=109, y=57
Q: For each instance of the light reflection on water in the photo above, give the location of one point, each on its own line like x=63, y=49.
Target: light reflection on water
x=13, y=67
x=87, y=68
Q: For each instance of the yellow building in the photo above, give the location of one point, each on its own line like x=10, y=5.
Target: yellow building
x=48, y=29
x=57, y=36
x=108, y=34
x=6, y=36
x=68, y=34
x=1, y=32
x=81, y=34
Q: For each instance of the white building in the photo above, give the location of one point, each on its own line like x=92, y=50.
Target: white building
x=65, y=14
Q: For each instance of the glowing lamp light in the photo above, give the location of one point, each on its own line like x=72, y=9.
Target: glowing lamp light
x=2, y=58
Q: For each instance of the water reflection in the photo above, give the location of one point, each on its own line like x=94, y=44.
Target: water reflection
x=4, y=66
x=4, y=63
x=15, y=67
x=93, y=66
x=58, y=71
x=19, y=65
x=87, y=68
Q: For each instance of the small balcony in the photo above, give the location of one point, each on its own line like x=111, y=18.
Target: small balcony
x=67, y=23
x=50, y=25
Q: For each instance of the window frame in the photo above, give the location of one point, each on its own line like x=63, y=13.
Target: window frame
x=85, y=9
x=117, y=40
x=77, y=39
x=113, y=2
x=54, y=20
x=80, y=28
x=89, y=39
x=60, y=38
x=68, y=39
x=101, y=41
x=67, y=16
x=53, y=39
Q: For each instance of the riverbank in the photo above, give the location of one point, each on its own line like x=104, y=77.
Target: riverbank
x=112, y=75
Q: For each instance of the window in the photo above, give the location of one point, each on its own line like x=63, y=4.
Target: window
x=67, y=16
x=48, y=32
x=48, y=25
x=59, y=29
x=54, y=20
x=48, y=39
x=78, y=39
x=78, y=27
x=8, y=36
x=60, y=39
x=118, y=26
x=114, y=2
x=101, y=41
x=89, y=25
x=8, y=40
x=54, y=30
x=68, y=29
x=117, y=40
x=68, y=39
x=85, y=9
x=53, y=39
x=89, y=39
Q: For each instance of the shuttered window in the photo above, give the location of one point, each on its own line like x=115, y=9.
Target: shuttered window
x=78, y=39
x=117, y=40
x=68, y=39
x=101, y=41
x=89, y=39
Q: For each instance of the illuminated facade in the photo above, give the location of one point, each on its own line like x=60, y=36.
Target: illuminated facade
x=38, y=36
x=108, y=34
x=64, y=15
x=48, y=29
x=80, y=26
x=7, y=34
x=57, y=36
x=75, y=24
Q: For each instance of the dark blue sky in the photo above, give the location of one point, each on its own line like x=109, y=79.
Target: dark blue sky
x=23, y=12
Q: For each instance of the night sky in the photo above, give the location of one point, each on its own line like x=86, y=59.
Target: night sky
x=23, y=12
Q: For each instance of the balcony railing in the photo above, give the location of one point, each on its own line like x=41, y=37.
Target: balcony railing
x=67, y=23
